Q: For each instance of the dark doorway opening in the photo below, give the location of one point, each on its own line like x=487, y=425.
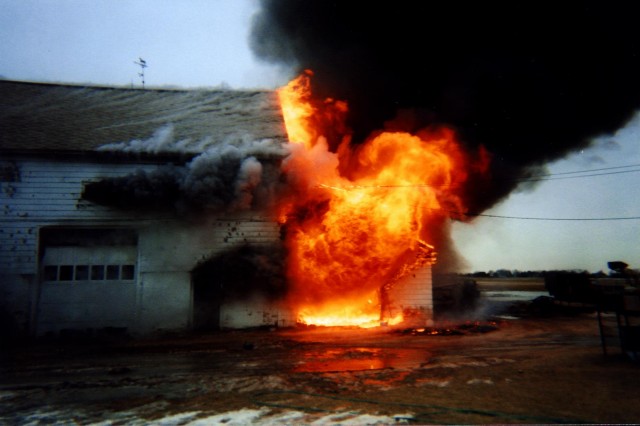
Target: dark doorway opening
x=206, y=302
x=237, y=274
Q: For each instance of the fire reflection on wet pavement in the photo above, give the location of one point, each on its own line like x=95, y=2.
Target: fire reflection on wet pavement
x=197, y=377
x=360, y=359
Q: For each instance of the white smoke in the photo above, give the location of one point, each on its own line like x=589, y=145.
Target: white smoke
x=162, y=140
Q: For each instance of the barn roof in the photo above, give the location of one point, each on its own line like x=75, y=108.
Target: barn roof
x=65, y=118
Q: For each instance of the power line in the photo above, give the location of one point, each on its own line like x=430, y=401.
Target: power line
x=536, y=178
x=471, y=214
x=542, y=178
x=574, y=219
x=588, y=170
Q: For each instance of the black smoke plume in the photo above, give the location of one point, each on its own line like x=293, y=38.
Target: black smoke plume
x=529, y=80
x=230, y=176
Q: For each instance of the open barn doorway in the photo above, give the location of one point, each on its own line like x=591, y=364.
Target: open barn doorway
x=236, y=278
x=207, y=297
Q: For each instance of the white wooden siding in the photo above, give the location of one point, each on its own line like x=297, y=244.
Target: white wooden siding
x=180, y=246
x=255, y=313
x=47, y=192
x=413, y=296
x=256, y=231
x=18, y=247
x=414, y=290
x=51, y=190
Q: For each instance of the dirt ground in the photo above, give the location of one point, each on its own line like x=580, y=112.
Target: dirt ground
x=530, y=365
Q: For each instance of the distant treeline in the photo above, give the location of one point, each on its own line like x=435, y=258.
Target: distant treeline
x=506, y=273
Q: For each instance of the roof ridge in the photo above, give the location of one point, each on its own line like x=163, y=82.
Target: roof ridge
x=98, y=86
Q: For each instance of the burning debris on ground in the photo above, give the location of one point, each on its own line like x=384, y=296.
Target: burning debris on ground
x=463, y=329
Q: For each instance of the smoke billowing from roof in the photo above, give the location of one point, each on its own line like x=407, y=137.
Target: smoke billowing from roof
x=531, y=81
x=236, y=174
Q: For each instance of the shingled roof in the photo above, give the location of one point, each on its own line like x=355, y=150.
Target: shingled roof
x=64, y=118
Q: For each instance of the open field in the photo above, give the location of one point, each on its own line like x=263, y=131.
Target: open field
x=514, y=284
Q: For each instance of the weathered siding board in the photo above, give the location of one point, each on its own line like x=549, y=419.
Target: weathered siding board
x=50, y=212
x=415, y=289
x=48, y=190
x=17, y=292
x=178, y=246
x=413, y=296
x=18, y=247
x=48, y=193
x=255, y=313
x=255, y=232
x=164, y=301
x=169, y=251
x=52, y=194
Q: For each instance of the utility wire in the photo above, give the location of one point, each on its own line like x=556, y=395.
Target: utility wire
x=570, y=219
x=535, y=178
x=588, y=170
x=553, y=176
x=550, y=176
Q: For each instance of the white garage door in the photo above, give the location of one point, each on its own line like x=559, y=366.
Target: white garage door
x=87, y=288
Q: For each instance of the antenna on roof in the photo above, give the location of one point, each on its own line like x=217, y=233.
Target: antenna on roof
x=143, y=65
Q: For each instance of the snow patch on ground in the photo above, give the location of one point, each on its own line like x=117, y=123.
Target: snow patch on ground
x=480, y=382
x=246, y=416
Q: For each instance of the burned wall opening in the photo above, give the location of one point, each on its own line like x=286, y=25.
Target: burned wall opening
x=235, y=275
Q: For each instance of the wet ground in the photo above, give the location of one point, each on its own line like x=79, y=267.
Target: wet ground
x=533, y=367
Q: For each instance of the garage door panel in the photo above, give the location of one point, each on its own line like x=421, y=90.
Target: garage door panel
x=87, y=288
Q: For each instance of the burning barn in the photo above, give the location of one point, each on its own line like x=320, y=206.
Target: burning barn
x=143, y=210
x=121, y=209
x=326, y=202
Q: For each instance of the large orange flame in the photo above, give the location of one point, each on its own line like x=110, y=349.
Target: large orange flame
x=361, y=216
